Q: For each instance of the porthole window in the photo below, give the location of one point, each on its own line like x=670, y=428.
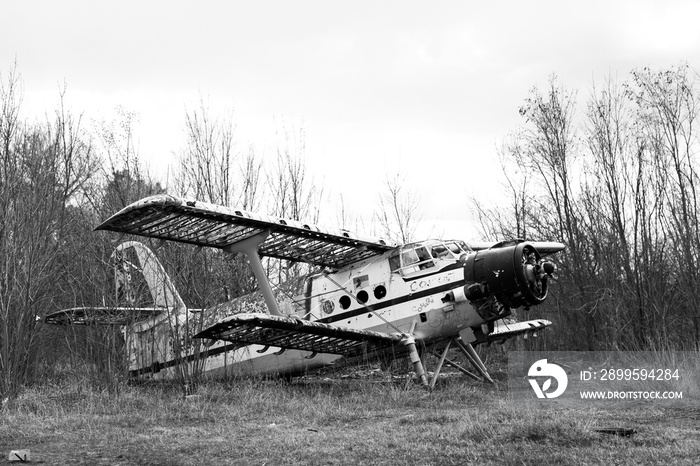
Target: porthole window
x=345, y=302
x=379, y=291
x=362, y=296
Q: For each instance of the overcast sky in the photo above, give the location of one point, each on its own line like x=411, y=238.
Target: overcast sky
x=427, y=88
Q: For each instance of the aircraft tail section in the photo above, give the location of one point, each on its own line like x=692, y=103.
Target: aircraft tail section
x=160, y=286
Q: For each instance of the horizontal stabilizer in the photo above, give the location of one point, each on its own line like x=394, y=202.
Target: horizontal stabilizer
x=101, y=315
x=170, y=218
x=293, y=333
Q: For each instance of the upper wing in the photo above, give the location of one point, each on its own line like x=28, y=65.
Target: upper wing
x=293, y=333
x=171, y=218
x=101, y=315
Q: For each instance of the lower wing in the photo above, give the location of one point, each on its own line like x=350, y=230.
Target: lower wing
x=503, y=331
x=294, y=333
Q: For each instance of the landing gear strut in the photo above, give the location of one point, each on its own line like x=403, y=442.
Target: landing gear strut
x=410, y=343
x=471, y=355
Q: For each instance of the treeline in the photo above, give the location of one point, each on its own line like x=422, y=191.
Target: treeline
x=61, y=177
x=616, y=179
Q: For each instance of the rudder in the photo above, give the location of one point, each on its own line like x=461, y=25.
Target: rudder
x=160, y=286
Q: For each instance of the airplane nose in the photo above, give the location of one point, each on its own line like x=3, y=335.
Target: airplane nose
x=515, y=274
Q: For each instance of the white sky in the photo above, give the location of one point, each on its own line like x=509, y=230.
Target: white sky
x=431, y=88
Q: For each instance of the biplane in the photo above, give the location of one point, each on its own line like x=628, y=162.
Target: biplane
x=364, y=297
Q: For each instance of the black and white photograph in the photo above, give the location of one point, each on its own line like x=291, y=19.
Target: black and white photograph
x=312, y=232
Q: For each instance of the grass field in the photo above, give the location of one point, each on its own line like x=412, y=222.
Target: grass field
x=367, y=420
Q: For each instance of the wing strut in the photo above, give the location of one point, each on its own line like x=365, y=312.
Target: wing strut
x=249, y=247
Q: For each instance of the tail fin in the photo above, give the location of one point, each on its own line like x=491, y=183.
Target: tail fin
x=160, y=286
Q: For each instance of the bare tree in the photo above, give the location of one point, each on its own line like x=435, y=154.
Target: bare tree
x=124, y=177
x=549, y=150
x=211, y=168
x=250, y=172
x=293, y=192
x=668, y=106
x=399, y=210
x=512, y=221
x=43, y=170
x=207, y=161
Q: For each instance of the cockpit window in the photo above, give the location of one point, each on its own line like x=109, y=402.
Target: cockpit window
x=458, y=247
x=440, y=251
x=454, y=248
x=415, y=258
x=394, y=262
x=423, y=254
x=409, y=257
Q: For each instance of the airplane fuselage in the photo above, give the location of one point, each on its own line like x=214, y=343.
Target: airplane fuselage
x=416, y=289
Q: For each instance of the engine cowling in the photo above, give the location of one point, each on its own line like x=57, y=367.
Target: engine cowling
x=515, y=274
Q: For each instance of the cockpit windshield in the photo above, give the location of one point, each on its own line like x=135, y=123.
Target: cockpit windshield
x=420, y=256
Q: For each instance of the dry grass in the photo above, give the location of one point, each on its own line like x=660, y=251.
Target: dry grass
x=330, y=422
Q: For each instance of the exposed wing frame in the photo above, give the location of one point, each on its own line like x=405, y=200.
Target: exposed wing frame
x=294, y=333
x=172, y=218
